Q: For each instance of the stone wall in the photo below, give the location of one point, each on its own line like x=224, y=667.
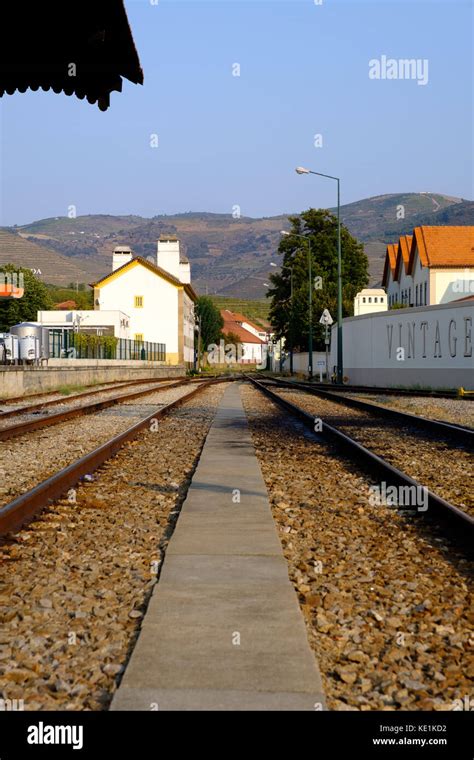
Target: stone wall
x=18, y=381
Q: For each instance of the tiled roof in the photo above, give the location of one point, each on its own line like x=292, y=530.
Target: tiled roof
x=403, y=255
x=42, y=41
x=244, y=335
x=443, y=247
x=238, y=317
x=66, y=306
x=390, y=262
x=465, y=298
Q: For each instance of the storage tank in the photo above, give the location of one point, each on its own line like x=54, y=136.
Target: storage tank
x=12, y=348
x=29, y=345
x=32, y=330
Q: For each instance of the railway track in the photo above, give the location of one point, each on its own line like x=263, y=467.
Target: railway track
x=29, y=425
x=462, y=434
x=459, y=522
x=61, y=398
x=76, y=580
x=417, y=393
x=23, y=508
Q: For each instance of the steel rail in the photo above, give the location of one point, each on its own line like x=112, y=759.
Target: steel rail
x=462, y=433
x=12, y=431
x=22, y=509
x=118, y=383
x=30, y=408
x=389, y=391
x=459, y=521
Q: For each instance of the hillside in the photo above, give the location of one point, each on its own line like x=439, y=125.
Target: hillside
x=230, y=257
x=49, y=265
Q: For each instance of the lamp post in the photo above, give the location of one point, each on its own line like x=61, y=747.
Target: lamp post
x=310, y=305
x=340, y=363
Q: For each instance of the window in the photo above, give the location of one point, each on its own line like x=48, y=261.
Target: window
x=376, y=299
x=139, y=302
x=370, y=299
x=409, y=296
x=139, y=336
x=363, y=299
x=416, y=295
x=425, y=294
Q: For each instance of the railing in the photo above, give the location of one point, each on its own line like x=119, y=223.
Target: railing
x=65, y=344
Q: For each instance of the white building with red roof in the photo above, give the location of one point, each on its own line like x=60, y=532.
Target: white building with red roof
x=253, y=338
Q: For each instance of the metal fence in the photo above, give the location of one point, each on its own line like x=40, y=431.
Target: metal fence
x=66, y=344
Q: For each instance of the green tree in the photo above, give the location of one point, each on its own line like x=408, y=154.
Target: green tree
x=35, y=298
x=289, y=310
x=211, y=322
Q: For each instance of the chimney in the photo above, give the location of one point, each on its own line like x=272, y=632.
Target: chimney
x=184, y=270
x=122, y=255
x=167, y=256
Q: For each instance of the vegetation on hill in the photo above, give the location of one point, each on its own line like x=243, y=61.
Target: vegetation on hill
x=81, y=294
x=256, y=310
x=229, y=257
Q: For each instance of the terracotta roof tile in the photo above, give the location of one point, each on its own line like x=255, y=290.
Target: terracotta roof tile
x=446, y=247
x=244, y=335
x=390, y=262
x=403, y=255
x=238, y=317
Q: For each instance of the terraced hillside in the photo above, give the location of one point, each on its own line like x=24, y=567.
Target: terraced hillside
x=48, y=265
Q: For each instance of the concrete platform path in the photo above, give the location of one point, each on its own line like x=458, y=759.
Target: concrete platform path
x=223, y=630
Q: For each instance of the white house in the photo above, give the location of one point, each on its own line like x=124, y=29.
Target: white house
x=253, y=346
x=157, y=296
x=433, y=266
x=369, y=300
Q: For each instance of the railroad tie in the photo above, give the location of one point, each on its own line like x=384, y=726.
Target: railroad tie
x=223, y=629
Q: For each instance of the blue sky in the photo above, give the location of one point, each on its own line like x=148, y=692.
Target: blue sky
x=226, y=140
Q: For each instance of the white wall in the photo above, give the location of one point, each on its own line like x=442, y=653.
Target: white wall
x=452, y=284
x=370, y=300
x=88, y=318
x=428, y=345
x=157, y=321
x=300, y=362
x=189, y=322
x=252, y=353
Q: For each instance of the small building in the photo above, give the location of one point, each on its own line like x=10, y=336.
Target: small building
x=433, y=266
x=112, y=323
x=157, y=296
x=370, y=300
x=253, y=346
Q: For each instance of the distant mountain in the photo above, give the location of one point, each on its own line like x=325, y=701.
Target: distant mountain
x=228, y=256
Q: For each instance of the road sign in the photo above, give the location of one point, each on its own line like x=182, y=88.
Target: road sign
x=326, y=318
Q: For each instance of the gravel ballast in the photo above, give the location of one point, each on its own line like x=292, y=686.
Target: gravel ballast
x=386, y=600
x=74, y=585
x=35, y=456
x=444, y=467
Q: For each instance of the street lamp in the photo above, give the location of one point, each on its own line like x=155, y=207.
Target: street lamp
x=340, y=363
x=310, y=306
